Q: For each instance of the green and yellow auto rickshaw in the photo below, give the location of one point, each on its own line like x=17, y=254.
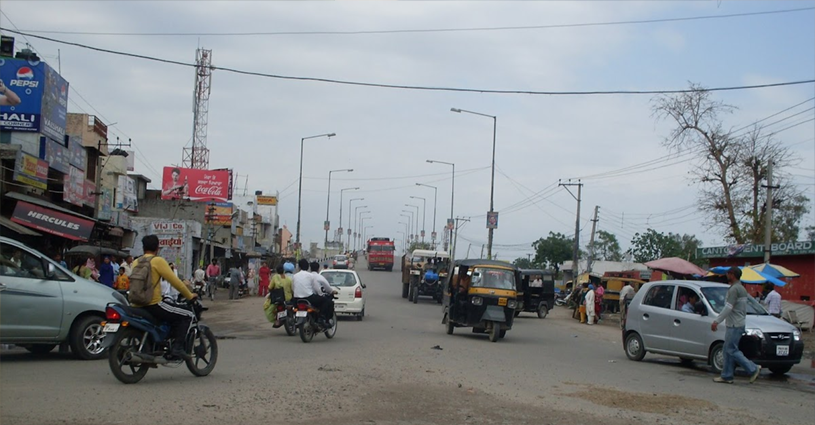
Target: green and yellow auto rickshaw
x=481, y=294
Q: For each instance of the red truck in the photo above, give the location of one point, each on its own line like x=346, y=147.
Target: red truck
x=380, y=253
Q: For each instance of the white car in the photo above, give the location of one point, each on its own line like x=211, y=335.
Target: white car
x=349, y=288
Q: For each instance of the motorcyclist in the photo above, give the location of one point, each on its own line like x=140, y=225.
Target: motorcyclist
x=177, y=317
x=306, y=287
x=327, y=292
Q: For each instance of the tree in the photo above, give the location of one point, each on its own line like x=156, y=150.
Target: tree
x=653, y=245
x=810, y=233
x=553, y=250
x=418, y=245
x=731, y=168
x=523, y=263
x=606, y=247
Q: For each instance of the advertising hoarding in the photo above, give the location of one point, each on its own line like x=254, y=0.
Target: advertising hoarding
x=54, y=105
x=74, y=186
x=175, y=241
x=31, y=170
x=126, y=194
x=35, y=100
x=53, y=222
x=77, y=156
x=89, y=188
x=219, y=214
x=105, y=204
x=266, y=200
x=492, y=220
x=195, y=185
x=55, y=154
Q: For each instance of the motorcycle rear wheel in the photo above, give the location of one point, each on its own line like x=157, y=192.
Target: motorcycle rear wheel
x=329, y=333
x=307, y=331
x=119, y=356
x=290, y=326
x=203, y=352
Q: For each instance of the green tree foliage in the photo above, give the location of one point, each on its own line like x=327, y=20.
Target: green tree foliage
x=523, y=263
x=418, y=245
x=606, y=247
x=553, y=250
x=653, y=245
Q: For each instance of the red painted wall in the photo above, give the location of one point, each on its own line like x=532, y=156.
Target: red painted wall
x=798, y=289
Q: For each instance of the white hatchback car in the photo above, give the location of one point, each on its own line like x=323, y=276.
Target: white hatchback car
x=349, y=288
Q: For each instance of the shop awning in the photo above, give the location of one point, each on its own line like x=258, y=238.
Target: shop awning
x=14, y=227
x=46, y=204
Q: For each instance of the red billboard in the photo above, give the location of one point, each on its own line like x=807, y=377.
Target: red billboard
x=195, y=185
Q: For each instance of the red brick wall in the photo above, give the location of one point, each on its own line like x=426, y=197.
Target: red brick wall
x=797, y=289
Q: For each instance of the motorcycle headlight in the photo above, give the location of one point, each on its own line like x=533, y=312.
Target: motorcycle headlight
x=477, y=301
x=796, y=335
x=512, y=304
x=754, y=332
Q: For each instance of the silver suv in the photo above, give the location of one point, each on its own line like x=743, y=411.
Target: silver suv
x=656, y=323
x=45, y=305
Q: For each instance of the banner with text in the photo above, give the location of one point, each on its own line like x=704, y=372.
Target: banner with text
x=31, y=171
x=195, y=185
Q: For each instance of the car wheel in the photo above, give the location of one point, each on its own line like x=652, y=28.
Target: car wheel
x=361, y=315
x=716, y=358
x=634, y=348
x=86, y=338
x=40, y=349
x=780, y=370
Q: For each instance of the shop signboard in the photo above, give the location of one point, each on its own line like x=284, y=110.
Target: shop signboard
x=266, y=200
x=54, y=105
x=53, y=222
x=55, y=154
x=175, y=241
x=35, y=99
x=126, y=198
x=73, y=190
x=219, y=214
x=77, y=156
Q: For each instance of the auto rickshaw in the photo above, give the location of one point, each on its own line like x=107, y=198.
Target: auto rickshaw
x=481, y=294
x=536, y=292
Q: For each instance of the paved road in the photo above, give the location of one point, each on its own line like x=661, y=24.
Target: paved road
x=384, y=371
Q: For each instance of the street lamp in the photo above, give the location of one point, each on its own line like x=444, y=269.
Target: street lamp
x=403, y=238
x=349, y=208
x=452, y=192
x=300, y=186
x=357, y=217
x=349, y=218
x=492, y=179
x=415, y=236
x=410, y=220
x=424, y=213
x=435, y=198
x=360, y=234
x=328, y=203
x=407, y=226
x=365, y=232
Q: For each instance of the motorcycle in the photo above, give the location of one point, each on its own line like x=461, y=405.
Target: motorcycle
x=562, y=297
x=309, y=323
x=285, y=317
x=138, y=342
x=199, y=288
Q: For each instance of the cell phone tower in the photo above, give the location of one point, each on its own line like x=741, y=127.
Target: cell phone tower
x=197, y=155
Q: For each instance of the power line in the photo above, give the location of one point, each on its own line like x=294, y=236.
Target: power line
x=430, y=30
x=410, y=87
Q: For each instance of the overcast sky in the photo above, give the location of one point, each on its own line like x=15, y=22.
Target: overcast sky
x=385, y=135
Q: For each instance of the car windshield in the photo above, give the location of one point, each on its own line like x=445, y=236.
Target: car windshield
x=716, y=298
x=340, y=278
x=384, y=248
x=493, y=278
x=340, y=258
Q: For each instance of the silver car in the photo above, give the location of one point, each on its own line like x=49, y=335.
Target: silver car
x=656, y=323
x=44, y=305
x=340, y=262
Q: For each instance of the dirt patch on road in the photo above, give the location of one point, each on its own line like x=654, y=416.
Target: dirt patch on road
x=663, y=404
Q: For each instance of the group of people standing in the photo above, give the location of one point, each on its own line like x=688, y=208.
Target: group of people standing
x=111, y=272
x=589, y=303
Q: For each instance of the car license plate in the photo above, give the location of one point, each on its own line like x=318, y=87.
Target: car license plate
x=113, y=327
x=502, y=301
x=281, y=314
x=301, y=314
x=782, y=350
x=339, y=307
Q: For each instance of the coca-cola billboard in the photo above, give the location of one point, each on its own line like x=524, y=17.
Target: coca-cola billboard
x=195, y=185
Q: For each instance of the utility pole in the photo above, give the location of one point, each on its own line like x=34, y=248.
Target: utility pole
x=591, y=241
x=454, y=241
x=768, y=213
x=576, y=250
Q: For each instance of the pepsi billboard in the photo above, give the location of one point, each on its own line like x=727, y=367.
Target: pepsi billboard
x=33, y=98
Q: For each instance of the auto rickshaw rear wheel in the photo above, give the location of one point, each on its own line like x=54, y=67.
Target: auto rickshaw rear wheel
x=450, y=326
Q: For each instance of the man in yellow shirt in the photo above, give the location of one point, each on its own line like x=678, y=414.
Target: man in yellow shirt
x=177, y=317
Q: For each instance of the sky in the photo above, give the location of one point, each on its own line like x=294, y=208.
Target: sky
x=386, y=135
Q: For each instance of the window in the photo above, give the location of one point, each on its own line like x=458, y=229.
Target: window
x=340, y=278
x=686, y=295
x=716, y=298
x=20, y=263
x=493, y=278
x=659, y=296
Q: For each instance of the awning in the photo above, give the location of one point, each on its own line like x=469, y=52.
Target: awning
x=14, y=227
x=51, y=221
x=46, y=204
x=96, y=251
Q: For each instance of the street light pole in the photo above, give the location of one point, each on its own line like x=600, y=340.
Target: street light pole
x=412, y=229
x=300, y=185
x=328, y=204
x=357, y=216
x=492, y=179
x=452, y=195
x=360, y=234
x=349, y=218
x=416, y=229
x=424, y=214
x=339, y=223
x=365, y=232
x=435, y=198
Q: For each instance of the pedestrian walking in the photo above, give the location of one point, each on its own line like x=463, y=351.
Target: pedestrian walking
x=263, y=275
x=734, y=313
x=581, y=302
x=598, y=301
x=106, y=275
x=213, y=272
x=235, y=281
x=589, y=304
x=773, y=303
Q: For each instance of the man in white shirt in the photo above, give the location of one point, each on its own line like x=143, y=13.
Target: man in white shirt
x=325, y=289
x=126, y=264
x=773, y=303
x=626, y=295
